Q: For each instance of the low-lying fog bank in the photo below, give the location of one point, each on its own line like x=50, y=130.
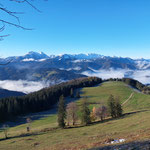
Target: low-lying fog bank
x=23, y=86
x=141, y=75
x=31, y=86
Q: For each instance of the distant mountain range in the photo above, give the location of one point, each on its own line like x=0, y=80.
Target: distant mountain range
x=101, y=61
x=36, y=66
x=35, y=56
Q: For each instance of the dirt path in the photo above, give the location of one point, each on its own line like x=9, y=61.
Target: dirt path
x=128, y=99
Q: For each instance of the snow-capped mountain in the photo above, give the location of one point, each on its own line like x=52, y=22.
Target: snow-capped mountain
x=83, y=61
x=34, y=56
x=143, y=63
x=79, y=56
x=31, y=56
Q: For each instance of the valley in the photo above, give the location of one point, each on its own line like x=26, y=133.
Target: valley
x=74, y=75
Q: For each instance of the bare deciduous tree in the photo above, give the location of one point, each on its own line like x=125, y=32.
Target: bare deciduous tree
x=5, y=130
x=29, y=121
x=14, y=13
x=101, y=112
x=72, y=112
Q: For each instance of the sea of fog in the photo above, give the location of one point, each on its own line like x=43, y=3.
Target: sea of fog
x=141, y=75
x=23, y=86
x=31, y=86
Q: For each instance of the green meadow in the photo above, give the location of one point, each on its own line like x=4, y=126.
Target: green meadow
x=45, y=135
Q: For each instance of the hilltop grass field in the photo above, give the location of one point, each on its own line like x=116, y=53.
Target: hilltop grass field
x=44, y=135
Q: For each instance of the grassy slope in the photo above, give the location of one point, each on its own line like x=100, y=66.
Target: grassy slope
x=132, y=126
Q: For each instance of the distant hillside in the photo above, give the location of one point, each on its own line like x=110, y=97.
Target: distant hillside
x=32, y=72
x=6, y=93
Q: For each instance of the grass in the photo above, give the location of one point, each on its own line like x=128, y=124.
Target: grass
x=134, y=125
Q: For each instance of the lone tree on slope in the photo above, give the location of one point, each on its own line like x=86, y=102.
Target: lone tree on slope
x=111, y=106
x=119, y=109
x=85, y=112
x=61, y=112
x=114, y=107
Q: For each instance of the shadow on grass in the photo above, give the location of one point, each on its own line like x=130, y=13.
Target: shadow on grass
x=43, y=131
x=134, y=112
x=122, y=117
x=107, y=120
x=21, y=135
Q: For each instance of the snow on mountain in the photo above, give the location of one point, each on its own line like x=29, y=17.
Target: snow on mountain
x=76, y=68
x=35, y=55
x=31, y=59
x=87, y=56
x=52, y=56
x=81, y=60
x=31, y=56
x=79, y=56
x=28, y=59
x=143, y=64
x=42, y=59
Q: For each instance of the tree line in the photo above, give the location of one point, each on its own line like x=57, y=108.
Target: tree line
x=69, y=114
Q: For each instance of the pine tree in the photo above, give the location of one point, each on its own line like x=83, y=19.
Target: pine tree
x=118, y=108
x=111, y=106
x=85, y=112
x=61, y=112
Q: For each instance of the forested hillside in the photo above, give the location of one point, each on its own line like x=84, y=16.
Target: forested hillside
x=43, y=99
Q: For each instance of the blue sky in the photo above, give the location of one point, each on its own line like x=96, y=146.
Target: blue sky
x=107, y=27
